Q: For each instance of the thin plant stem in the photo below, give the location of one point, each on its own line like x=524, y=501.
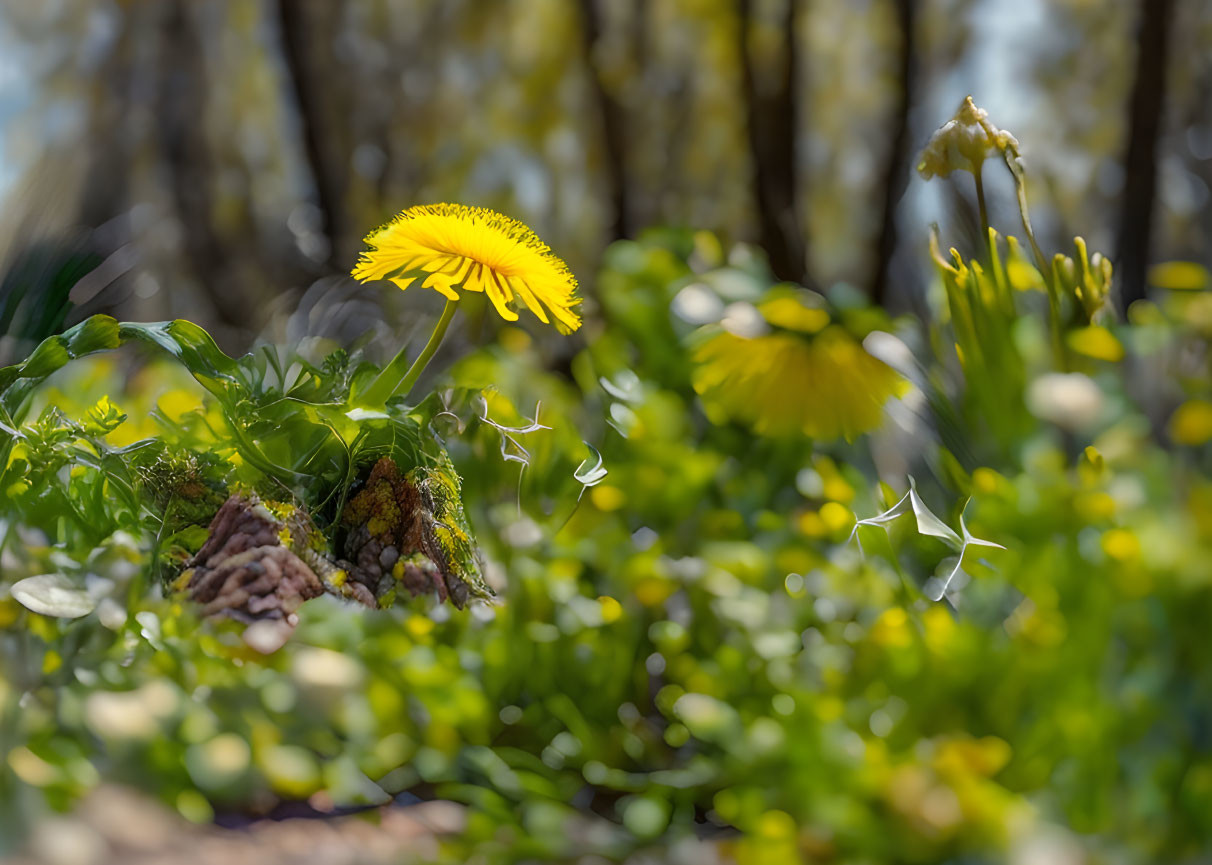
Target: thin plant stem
x=253, y=455
x=393, y=380
x=1060, y=355
x=1020, y=190
x=980, y=202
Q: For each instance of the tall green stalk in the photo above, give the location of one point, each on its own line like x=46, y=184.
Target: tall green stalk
x=397, y=377
x=980, y=199
x=1046, y=270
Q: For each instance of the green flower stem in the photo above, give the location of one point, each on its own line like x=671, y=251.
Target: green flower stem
x=1020, y=191
x=1056, y=326
x=393, y=379
x=253, y=455
x=980, y=199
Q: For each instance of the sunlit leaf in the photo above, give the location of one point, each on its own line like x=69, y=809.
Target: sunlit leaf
x=588, y=475
x=53, y=595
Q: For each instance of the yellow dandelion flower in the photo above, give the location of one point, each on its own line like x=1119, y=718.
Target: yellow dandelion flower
x=795, y=309
x=451, y=247
x=782, y=383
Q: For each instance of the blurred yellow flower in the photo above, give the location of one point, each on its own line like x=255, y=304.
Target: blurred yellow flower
x=783, y=383
x=1097, y=342
x=893, y=629
x=1180, y=276
x=612, y=610
x=1191, y=424
x=454, y=247
x=795, y=309
x=1121, y=545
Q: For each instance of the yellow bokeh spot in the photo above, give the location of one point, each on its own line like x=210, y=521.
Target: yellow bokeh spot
x=43, y=627
x=986, y=480
x=1199, y=505
x=791, y=313
x=177, y=402
x=1097, y=342
x=838, y=490
x=829, y=708
x=612, y=610
x=1179, y=276
x=892, y=629
x=1121, y=545
x=514, y=339
x=606, y=497
x=1191, y=424
x=708, y=247
x=982, y=757
x=419, y=626
x=652, y=591
x=833, y=485
x=939, y=626
x=811, y=524
x=836, y=516
x=1094, y=506
x=776, y=825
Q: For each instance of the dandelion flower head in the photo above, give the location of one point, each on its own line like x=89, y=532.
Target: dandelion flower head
x=801, y=376
x=452, y=247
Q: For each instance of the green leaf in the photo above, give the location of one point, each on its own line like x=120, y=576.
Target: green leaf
x=103, y=418
x=53, y=595
x=184, y=340
x=591, y=475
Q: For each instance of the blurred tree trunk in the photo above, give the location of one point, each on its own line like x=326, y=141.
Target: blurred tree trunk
x=309, y=30
x=896, y=166
x=645, y=202
x=614, y=123
x=180, y=112
x=111, y=94
x=770, y=113
x=1140, y=160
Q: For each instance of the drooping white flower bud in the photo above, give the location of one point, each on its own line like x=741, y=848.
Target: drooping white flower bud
x=963, y=142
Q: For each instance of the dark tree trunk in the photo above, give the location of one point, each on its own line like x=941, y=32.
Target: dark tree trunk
x=180, y=107
x=770, y=114
x=309, y=31
x=106, y=186
x=1140, y=159
x=896, y=166
x=614, y=124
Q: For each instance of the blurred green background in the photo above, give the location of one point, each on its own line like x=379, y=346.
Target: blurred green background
x=701, y=655
x=222, y=157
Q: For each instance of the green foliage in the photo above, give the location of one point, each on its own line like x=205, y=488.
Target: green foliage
x=688, y=637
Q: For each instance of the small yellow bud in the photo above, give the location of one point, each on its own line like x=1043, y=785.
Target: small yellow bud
x=1086, y=278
